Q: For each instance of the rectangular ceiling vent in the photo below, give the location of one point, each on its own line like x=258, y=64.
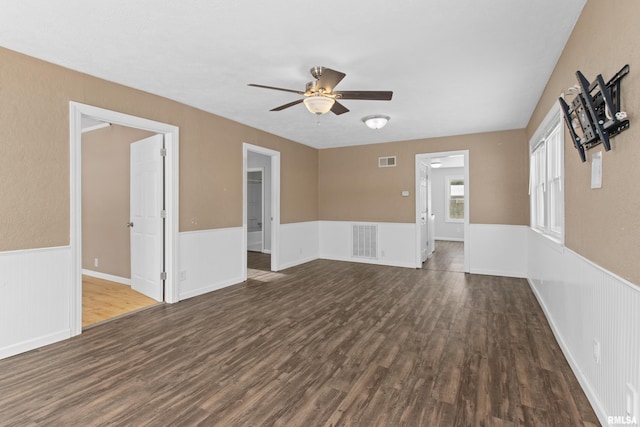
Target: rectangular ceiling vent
x=364, y=241
x=387, y=162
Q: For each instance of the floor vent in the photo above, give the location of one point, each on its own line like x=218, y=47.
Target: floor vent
x=365, y=241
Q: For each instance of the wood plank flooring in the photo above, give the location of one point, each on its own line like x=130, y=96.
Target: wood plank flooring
x=447, y=256
x=322, y=344
x=103, y=300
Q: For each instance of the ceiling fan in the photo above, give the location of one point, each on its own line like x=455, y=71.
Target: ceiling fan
x=320, y=97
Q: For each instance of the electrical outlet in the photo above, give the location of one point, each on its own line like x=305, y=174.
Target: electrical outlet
x=596, y=351
x=96, y=262
x=631, y=401
x=183, y=275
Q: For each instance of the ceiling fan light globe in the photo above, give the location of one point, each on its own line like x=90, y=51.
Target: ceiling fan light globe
x=319, y=104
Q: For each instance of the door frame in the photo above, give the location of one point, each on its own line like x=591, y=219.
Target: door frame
x=426, y=194
x=262, y=177
x=171, y=240
x=428, y=156
x=275, y=204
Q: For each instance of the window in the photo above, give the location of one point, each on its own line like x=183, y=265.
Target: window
x=454, y=198
x=546, y=177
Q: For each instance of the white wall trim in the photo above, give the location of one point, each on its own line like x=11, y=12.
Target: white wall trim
x=498, y=249
x=210, y=260
x=449, y=239
x=35, y=309
x=32, y=344
x=584, y=302
x=105, y=276
x=299, y=243
x=171, y=140
x=395, y=243
x=591, y=394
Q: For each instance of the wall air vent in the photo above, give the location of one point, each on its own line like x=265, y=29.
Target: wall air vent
x=364, y=241
x=387, y=162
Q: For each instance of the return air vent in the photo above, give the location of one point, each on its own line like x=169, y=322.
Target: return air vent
x=387, y=162
x=365, y=241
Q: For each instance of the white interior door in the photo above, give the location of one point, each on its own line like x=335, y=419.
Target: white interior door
x=147, y=228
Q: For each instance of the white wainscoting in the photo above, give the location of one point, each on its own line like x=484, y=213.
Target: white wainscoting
x=396, y=243
x=299, y=243
x=583, y=302
x=498, y=250
x=210, y=260
x=35, y=285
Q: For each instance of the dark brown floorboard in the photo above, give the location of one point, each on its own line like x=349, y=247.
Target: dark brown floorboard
x=447, y=256
x=322, y=344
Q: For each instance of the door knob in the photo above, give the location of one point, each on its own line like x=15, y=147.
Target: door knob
x=130, y=224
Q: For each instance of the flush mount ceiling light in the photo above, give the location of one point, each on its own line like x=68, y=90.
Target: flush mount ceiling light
x=376, y=121
x=436, y=163
x=319, y=104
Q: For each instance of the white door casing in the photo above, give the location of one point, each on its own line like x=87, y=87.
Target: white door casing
x=424, y=158
x=274, y=215
x=172, y=141
x=146, y=226
x=431, y=223
x=424, y=212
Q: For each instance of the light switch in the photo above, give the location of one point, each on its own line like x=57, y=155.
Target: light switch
x=405, y=194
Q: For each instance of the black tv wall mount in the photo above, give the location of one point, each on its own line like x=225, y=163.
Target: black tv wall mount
x=594, y=115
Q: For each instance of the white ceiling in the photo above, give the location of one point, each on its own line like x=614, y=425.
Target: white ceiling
x=455, y=67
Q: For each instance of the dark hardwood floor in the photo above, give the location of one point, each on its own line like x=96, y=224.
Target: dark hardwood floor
x=258, y=261
x=322, y=344
x=447, y=256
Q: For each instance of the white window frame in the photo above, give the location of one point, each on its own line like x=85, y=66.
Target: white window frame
x=447, y=196
x=546, y=176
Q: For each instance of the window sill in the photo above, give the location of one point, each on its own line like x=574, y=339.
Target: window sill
x=551, y=241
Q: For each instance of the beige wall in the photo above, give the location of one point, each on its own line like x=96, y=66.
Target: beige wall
x=353, y=188
x=105, y=199
x=603, y=225
x=34, y=154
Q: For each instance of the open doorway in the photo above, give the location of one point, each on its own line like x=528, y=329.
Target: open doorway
x=442, y=210
x=112, y=186
x=167, y=187
x=261, y=208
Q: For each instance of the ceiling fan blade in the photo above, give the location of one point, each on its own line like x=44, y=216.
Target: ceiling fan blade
x=338, y=109
x=373, y=95
x=328, y=79
x=291, y=104
x=277, y=88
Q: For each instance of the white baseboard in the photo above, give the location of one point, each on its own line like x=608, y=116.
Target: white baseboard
x=210, y=260
x=32, y=344
x=36, y=298
x=296, y=262
x=299, y=243
x=450, y=239
x=209, y=288
x=109, y=277
x=584, y=303
x=396, y=243
x=592, y=396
